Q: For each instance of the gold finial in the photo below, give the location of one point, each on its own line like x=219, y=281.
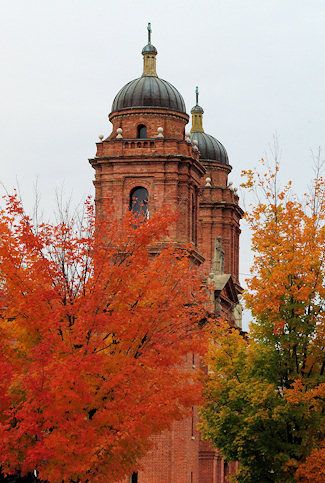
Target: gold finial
x=197, y=114
x=149, y=53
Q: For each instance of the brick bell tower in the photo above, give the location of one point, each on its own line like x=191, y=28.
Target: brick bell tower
x=219, y=219
x=145, y=163
x=146, y=157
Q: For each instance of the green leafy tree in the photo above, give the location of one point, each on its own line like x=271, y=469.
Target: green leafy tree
x=265, y=393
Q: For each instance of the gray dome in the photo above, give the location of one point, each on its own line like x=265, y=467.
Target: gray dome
x=197, y=108
x=210, y=148
x=149, y=91
x=149, y=49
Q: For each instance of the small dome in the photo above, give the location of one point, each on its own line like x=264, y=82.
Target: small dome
x=198, y=109
x=149, y=49
x=149, y=91
x=210, y=148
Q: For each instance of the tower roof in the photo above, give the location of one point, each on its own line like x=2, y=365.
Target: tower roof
x=210, y=148
x=149, y=90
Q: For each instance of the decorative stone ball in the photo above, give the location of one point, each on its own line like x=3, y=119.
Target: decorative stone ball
x=208, y=182
x=188, y=137
x=119, y=132
x=160, y=132
x=101, y=136
x=195, y=145
x=231, y=186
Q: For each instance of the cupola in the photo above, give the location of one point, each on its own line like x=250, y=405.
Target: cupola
x=149, y=91
x=210, y=148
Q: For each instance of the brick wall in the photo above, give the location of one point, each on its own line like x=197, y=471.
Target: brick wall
x=170, y=169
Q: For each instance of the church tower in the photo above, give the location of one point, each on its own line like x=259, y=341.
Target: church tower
x=147, y=162
x=146, y=157
x=219, y=217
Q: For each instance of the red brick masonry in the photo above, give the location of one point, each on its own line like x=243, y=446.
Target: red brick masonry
x=170, y=169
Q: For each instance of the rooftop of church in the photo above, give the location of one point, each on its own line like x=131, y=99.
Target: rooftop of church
x=150, y=91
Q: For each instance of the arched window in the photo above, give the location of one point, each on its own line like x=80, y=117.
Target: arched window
x=139, y=198
x=142, y=131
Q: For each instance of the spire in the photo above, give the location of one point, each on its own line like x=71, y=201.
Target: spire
x=197, y=114
x=149, y=53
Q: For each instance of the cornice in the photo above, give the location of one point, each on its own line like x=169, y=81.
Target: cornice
x=150, y=112
x=132, y=159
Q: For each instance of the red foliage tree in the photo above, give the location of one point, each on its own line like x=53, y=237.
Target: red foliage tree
x=313, y=469
x=94, y=329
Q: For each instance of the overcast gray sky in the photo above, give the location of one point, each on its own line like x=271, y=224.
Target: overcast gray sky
x=260, y=66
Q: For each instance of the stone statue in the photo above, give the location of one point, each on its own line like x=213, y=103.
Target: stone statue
x=238, y=314
x=219, y=257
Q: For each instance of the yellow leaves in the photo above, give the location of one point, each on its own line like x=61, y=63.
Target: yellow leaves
x=226, y=348
x=289, y=248
x=249, y=174
x=270, y=390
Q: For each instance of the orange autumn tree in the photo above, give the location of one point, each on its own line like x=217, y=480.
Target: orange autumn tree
x=93, y=331
x=265, y=394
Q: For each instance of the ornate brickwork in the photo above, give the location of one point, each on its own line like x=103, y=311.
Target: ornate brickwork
x=148, y=148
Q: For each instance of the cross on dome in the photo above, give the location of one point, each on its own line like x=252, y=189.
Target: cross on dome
x=197, y=112
x=149, y=32
x=210, y=148
x=149, y=53
x=149, y=90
